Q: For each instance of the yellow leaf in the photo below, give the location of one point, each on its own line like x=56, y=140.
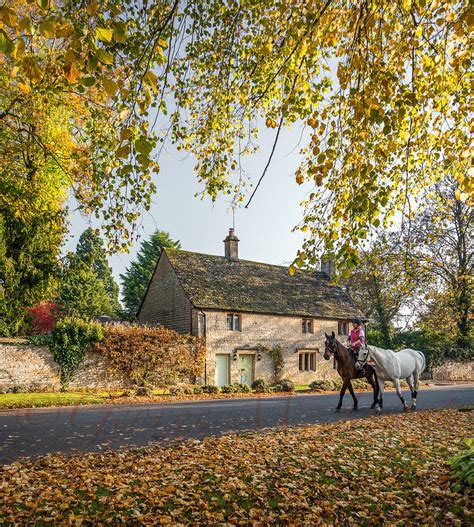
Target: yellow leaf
x=291, y=270
x=105, y=57
x=47, y=29
x=104, y=34
x=24, y=88
x=110, y=86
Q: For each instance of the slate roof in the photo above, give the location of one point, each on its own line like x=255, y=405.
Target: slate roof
x=216, y=283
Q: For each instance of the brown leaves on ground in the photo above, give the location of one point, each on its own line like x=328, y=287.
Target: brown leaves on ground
x=389, y=470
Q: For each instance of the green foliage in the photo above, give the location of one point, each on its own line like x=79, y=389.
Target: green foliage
x=260, y=386
x=462, y=466
x=285, y=385
x=182, y=389
x=40, y=340
x=71, y=338
x=209, y=388
x=137, y=277
x=236, y=388
x=29, y=258
x=82, y=293
x=276, y=354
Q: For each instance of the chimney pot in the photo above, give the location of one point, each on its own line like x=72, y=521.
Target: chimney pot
x=231, y=245
x=327, y=265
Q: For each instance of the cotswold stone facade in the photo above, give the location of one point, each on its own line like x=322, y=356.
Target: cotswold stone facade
x=267, y=330
x=240, y=305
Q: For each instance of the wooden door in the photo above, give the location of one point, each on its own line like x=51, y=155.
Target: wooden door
x=246, y=369
x=222, y=369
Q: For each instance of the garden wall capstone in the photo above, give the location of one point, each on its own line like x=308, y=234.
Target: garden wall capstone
x=454, y=371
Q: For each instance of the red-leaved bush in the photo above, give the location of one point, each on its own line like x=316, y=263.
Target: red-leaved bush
x=42, y=318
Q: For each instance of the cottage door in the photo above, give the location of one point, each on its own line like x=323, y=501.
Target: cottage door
x=222, y=367
x=246, y=369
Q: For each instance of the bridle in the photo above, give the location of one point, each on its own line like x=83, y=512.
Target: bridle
x=331, y=348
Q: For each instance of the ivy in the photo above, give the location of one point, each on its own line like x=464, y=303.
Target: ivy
x=276, y=354
x=71, y=338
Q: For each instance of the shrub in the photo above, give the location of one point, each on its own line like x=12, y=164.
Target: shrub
x=323, y=385
x=284, y=385
x=71, y=338
x=209, y=388
x=197, y=390
x=236, y=388
x=260, y=386
x=462, y=466
x=154, y=355
x=42, y=318
x=182, y=389
x=361, y=384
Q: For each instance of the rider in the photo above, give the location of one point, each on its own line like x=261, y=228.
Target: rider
x=356, y=337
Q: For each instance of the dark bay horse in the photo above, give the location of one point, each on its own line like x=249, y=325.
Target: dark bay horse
x=346, y=367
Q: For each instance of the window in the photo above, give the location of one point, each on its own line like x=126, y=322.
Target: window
x=234, y=322
x=307, y=325
x=307, y=361
x=343, y=328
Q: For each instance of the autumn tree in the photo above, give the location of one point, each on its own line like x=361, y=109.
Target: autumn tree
x=444, y=234
x=381, y=87
x=137, y=276
x=387, y=282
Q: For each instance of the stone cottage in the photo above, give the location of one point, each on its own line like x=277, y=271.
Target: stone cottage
x=240, y=306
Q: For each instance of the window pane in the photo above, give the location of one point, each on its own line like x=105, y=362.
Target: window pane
x=230, y=320
x=237, y=322
x=303, y=326
x=312, y=358
x=306, y=361
x=300, y=361
x=310, y=326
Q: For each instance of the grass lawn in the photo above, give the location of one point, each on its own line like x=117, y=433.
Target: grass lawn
x=33, y=400
x=387, y=470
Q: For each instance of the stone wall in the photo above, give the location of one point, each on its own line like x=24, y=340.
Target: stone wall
x=165, y=302
x=94, y=373
x=24, y=367
x=268, y=330
x=27, y=368
x=454, y=371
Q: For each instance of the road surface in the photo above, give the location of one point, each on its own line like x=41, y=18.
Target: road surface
x=34, y=432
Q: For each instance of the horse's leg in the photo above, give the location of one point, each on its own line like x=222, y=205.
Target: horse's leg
x=375, y=388
x=396, y=382
x=412, y=391
x=341, y=395
x=354, y=398
x=381, y=385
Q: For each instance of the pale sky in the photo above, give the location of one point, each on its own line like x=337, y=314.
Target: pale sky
x=264, y=229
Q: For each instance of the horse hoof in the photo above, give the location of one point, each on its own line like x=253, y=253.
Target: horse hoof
x=355, y=408
x=377, y=411
x=406, y=408
x=338, y=409
x=413, y=406
x=373, y=406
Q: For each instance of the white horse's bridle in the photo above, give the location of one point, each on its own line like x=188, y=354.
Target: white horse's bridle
x=363, y=357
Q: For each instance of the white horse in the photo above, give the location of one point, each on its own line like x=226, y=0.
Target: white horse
x=390, y=366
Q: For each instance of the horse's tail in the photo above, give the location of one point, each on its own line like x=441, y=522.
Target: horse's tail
x=423, y=363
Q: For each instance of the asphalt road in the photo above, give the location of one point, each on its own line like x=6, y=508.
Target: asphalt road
x=33, y=432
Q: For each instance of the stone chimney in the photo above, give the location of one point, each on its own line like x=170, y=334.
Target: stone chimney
x=231, y=244
x=327, y=266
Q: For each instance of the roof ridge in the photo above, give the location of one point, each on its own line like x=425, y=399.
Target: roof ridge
x=240, y=259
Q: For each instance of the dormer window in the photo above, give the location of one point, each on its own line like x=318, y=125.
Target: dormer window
x=234, y=322
x=307, y=325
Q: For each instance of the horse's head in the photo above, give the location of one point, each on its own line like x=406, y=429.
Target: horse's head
x=330, y=345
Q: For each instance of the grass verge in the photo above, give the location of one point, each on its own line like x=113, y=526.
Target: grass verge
x=388, y=470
